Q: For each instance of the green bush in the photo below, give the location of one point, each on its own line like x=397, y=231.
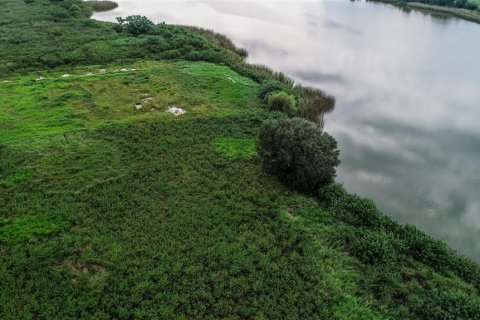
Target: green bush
x=300, y=154
x=360, y=212
x=350, y=208
x=134, y=25
x=374, y=247
x=283, y=102
x=269, y=87
x=451, y=304
x=424, y=248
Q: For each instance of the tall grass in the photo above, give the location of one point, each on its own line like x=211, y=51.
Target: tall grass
x=314, y=103
x=222, y=40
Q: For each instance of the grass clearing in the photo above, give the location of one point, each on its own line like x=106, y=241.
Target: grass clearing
x=59, y=104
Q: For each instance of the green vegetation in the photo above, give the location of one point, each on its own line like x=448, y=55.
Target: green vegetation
x=103, y=5
x=134, y=25
x=465, y=9
x=283, y=102
x=460, y=4
x=88, y=98
x=471, y=15
x=109, y=211
x=299, y=153
x=236, y=147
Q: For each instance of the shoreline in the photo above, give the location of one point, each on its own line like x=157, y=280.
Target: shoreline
x=464, y=14
x=455, y=12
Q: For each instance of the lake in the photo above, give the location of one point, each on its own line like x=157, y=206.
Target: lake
x=408, y=95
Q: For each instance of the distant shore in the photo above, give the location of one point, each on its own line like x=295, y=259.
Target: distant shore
x=459, y=13
x=103, y=5
x=455, y=12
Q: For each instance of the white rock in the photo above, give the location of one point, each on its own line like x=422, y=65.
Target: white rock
x=176, y=111
x=66, y=75
x=39, y=79
x=103, y=70
x=138, y=106
x=123, y=70
x=89, y=74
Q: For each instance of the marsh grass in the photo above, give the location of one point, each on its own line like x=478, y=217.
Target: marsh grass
x=314, y=103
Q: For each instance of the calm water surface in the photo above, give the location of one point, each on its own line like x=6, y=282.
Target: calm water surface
x=408, y=88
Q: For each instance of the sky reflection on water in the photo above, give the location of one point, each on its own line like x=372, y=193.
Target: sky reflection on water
x=408, y=89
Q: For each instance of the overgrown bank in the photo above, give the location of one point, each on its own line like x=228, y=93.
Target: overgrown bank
x=468, y=10
x=108, y=212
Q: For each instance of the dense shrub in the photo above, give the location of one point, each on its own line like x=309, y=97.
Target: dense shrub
x=363, y=213
x=269, y=87
x=300, y=154
x=451, y=304
x=350, y=208
x=134, y=25
x=374, y=247
x=283, y=102
x=424, y=248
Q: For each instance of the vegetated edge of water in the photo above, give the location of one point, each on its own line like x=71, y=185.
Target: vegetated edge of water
x=465, y=14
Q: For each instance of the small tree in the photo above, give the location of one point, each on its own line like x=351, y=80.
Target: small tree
x=299, y=153
x=134, y=25
x=282, y=101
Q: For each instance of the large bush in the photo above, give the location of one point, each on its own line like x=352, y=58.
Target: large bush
x=299, y=153
x=134, y=25
x=282, y=101
x=269, y=87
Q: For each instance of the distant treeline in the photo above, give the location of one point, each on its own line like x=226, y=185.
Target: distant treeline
x=462, y=4
x=103, y=5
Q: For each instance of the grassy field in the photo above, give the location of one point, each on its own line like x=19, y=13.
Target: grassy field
x=48, y=103
x=118, y=214
x=108, y=212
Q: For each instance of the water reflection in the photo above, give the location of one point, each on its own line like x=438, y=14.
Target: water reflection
x=407, y=116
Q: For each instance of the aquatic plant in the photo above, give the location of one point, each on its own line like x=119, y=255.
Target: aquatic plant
x=314, y=103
